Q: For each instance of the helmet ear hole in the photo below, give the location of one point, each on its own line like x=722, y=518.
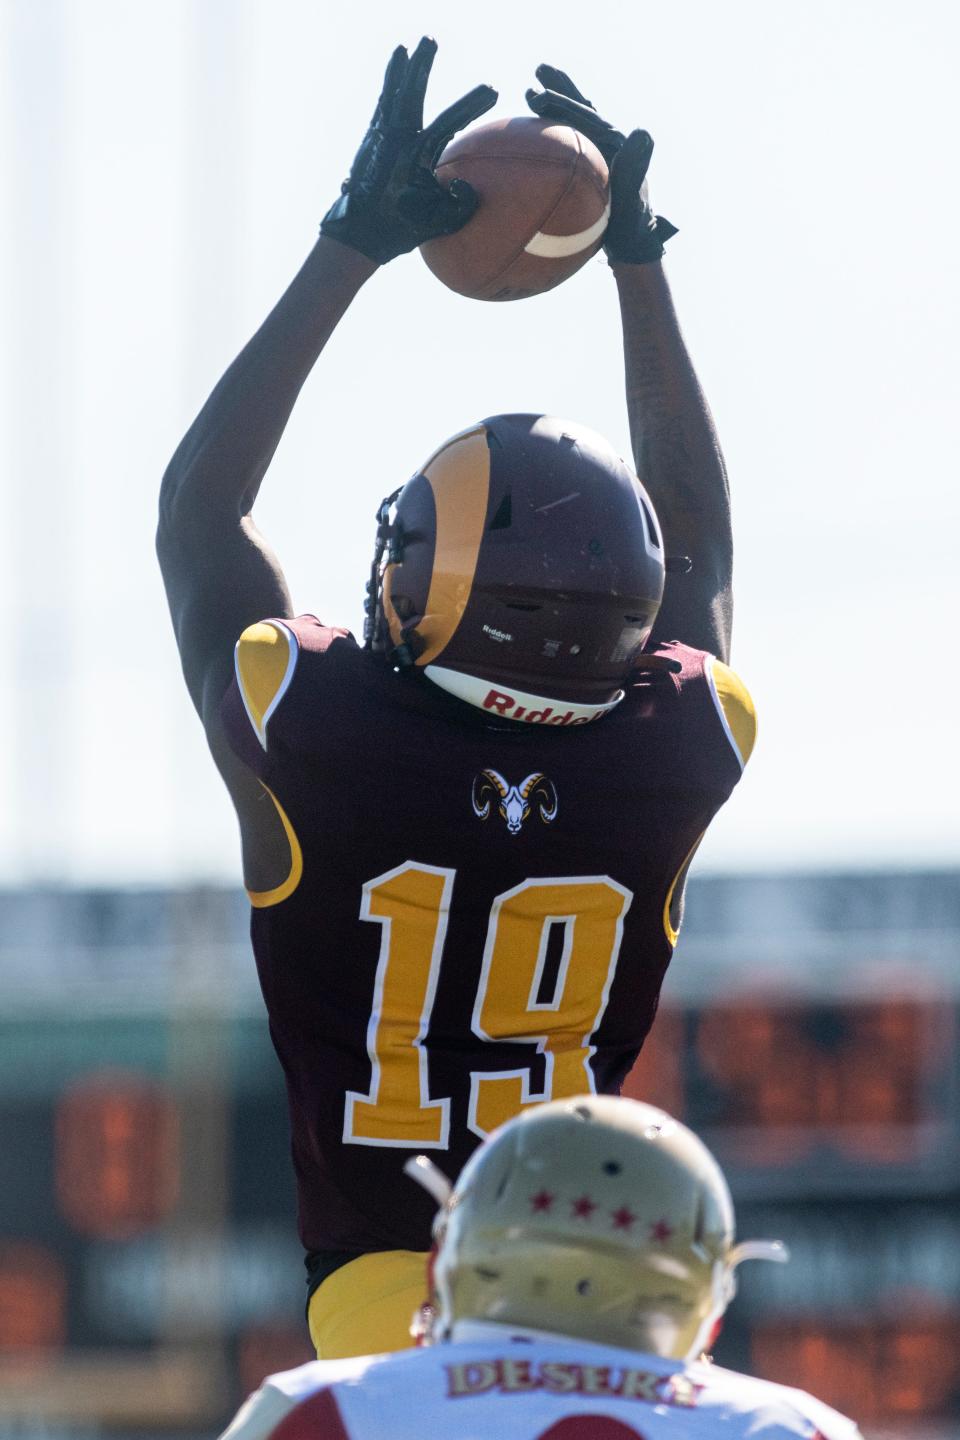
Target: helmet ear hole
x=403, y=606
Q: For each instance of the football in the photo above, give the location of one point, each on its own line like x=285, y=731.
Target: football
x=544, y=206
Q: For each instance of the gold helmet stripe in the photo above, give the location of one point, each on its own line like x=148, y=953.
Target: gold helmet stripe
x=459, y=476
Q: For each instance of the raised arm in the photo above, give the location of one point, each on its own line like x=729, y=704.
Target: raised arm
x=219, y=572
x=675, y=445
x=678, y=456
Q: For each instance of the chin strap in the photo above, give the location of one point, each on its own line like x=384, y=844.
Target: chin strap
x=373, y=622
x=657, y=662
x=758, y=1250
x=430, y=1176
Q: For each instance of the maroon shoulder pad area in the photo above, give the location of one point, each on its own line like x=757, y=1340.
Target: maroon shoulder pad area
x=316, y=1418
x=313, y=635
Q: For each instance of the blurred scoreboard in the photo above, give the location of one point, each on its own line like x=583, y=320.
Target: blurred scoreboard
x=149, y=1270
x=837, y=1124
x=806, y=1097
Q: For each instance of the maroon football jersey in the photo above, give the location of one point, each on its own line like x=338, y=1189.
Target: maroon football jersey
x=477, y=916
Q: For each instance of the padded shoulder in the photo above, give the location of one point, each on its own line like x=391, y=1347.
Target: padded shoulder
x=735, y=708
x=776, y=1409
x=265, y=659
x=312, y=634
x=259, y=1416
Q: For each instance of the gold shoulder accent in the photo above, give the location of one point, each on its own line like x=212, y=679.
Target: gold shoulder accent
x=672, y=916
x=735, y=708
x=263, y=899
x=265, y=659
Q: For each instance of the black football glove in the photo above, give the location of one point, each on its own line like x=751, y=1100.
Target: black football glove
x=634, y=235
x=392, y=201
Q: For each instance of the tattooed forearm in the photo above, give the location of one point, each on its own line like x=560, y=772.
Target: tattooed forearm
x=678, y=458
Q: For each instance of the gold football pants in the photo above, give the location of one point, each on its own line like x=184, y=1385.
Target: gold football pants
x=366, y=1306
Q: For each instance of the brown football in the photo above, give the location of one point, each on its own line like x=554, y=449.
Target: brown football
x=543, y=209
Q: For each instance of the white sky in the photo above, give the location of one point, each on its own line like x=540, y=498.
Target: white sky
x=164, y=166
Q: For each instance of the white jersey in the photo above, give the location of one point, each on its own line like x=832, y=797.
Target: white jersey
x=515, y=1385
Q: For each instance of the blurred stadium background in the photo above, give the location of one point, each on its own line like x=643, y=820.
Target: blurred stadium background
x=149, y=1271
x=163, y=167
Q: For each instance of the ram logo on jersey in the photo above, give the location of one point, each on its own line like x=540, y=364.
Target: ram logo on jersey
x=514, y=802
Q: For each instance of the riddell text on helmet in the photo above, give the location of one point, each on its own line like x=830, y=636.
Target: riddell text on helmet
x=503, y=703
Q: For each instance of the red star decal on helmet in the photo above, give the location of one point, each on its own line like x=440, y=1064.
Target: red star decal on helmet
x=661, y=1230
x=623, y=1218
x=541, y=1201
x=584, y=1207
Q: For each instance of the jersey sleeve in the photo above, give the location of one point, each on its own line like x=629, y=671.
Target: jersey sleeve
x=296, y=1404
x=316, y=1418
x=830, y=1424
x=259, y=1415
x=265, y=660
x=734, y=707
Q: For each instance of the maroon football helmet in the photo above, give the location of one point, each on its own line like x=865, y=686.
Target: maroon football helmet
x=521, y=569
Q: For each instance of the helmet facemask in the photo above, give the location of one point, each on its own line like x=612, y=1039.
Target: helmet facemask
x=388, y=544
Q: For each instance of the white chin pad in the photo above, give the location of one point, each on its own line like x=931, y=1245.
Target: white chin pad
x=511, y=704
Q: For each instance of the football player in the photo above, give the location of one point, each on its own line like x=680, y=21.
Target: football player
x=465, y=840
x=583, y=1263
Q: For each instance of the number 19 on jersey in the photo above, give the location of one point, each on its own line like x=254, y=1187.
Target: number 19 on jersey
x=412, y=904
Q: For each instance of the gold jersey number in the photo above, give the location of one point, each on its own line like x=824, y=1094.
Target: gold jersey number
x=412, y=904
